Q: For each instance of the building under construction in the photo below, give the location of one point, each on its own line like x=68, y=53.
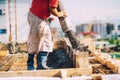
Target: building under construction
x=69, y=63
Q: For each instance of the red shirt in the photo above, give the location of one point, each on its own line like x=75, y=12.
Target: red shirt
x=40, y=8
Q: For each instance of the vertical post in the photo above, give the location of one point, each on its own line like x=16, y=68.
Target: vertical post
x=16, y=31
x=11, y=44
x=82, y=60
x=10, y=33
x=63, y=74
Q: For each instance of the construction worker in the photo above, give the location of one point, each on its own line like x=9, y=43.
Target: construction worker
x=39, y=39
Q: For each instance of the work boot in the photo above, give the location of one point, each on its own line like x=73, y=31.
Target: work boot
x=39, y=65
x=30, y=62
x=42, y=61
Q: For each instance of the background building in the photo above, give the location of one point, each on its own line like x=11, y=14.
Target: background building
x=118, y=27
x=101, y=28
x=14, y=20
x=3, y=20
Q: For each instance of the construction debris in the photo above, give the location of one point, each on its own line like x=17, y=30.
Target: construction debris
x=69, y=64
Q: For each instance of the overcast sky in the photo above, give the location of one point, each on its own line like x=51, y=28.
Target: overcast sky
x=81, y=11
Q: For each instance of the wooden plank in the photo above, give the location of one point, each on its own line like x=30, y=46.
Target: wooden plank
x=43, y=73
x=118, y=69
x=97, y=77
x=82, y=60
x=106, y=59
x=101, y=60
x=49, y=73
x=96, y=53
x=89, y=42
x=4, y=53
x=79, y=71
x=112, y=65
x=63, y=74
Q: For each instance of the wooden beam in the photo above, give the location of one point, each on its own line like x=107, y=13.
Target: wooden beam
x=97, y=77
x=89, y=42
x=43, y=73
x=4, y=53
x=82, y=60
x=63, y=74
x=118, y=69
x=50, y=73
x=112, y=65
x=106, y=59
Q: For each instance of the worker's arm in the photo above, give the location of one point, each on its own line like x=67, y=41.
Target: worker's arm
x=55, y=12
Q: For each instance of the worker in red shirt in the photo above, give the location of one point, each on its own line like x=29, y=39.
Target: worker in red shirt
x=39, y=38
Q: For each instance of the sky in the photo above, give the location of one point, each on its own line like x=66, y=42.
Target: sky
x=78, y=11
x=83, y=11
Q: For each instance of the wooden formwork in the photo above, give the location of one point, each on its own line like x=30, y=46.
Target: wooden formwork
x=70, y=72
x=4, y=53
x=97, y=77
x=82, y=66
x=89, y=43
x=105, y=59
x=16, y=66
x=81, y=60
